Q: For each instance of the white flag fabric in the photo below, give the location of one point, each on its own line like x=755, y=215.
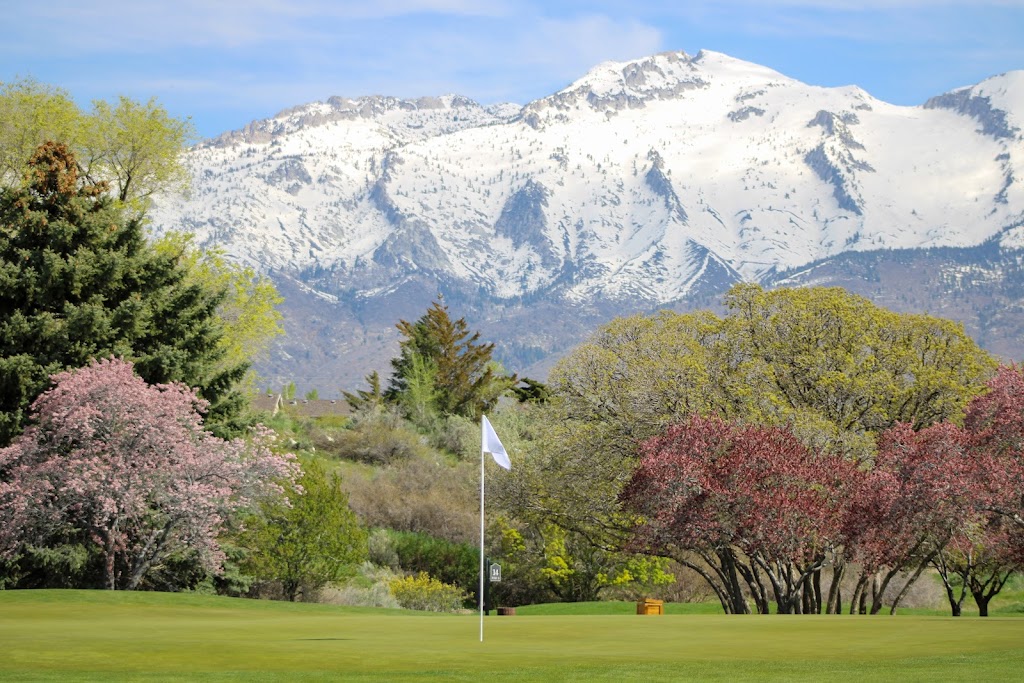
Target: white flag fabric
x=492, y=445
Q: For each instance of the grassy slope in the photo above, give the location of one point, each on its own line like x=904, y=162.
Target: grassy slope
x=80, y=635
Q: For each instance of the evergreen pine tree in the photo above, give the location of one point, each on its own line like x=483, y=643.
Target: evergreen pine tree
x=78, y=282
x=466, y=381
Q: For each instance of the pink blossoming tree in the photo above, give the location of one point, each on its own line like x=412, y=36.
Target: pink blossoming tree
x=127, y=470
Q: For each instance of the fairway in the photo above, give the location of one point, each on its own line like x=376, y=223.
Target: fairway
x=83, y=635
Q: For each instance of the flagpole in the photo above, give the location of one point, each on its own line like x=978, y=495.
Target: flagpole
x=481, y=543
x=489, y=443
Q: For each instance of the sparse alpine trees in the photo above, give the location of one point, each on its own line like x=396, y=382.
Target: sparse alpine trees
x=125, y=471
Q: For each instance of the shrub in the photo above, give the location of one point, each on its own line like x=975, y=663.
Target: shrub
x=353, y=595
x=381, y=546
x=423, y=495
x=371, y=587
x=454, y=563
x=422, y=592
x=375, y=439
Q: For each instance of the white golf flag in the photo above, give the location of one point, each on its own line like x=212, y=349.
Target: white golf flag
x=492, y=445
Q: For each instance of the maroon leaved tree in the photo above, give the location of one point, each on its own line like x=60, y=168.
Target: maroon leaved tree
x=757, y=507
x=979, y=560
x=984, y=555
x=920, y=492
x=995, y=421
x=128, y=468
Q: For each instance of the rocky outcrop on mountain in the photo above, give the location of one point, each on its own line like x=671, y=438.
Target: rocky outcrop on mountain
x=993, y=121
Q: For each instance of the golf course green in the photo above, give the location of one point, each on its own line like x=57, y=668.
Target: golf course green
x=121, y=636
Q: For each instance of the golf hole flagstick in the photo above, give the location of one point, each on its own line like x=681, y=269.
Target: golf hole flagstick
x=489, y=443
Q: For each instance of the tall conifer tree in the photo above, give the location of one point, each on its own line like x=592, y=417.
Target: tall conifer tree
x=465, y=379
x=78, y=282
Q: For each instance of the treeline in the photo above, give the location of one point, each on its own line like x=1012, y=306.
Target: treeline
x=805, y=441
x=807, y=451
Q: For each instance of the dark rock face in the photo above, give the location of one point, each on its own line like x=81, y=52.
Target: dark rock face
x=745, y=113
x=837, y=126
x=993, y=121
x=662, y=186
x=291, y=175
x=833, y=160
x=523, y=221
x=829, y=171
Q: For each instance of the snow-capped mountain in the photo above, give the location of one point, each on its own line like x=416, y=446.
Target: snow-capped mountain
x=648, y=183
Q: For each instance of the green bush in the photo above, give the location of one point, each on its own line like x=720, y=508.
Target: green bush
x=381, y=547
x=423, y=592
x=454, y=563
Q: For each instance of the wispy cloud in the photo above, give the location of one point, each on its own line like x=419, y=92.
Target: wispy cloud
x=263, y=55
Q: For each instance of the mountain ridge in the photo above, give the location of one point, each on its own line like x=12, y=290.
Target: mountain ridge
x=642, y=184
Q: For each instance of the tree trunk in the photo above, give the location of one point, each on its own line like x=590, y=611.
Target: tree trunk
x=858, y=592
x=983, y=592
x=150, y=552
x=945, y=573
x=735, y=589
x=835, y=591
x=717, y=586
x=812, y=593
x=910, y=582
x=757, y=590
x=109, y=564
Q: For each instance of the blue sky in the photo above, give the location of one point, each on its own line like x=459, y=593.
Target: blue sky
x=227, y=62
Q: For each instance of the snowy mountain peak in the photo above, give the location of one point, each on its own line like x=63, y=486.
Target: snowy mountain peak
x=997, y=103
x=653, y=182
x=614, y=86
x=642, y=180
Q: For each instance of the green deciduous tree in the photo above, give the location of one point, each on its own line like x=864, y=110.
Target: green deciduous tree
x=136, y=148
x=248, y=312
x=30, y=114
x=309, y=542
x=78, y=281
x=831, y=367
x=839, y=368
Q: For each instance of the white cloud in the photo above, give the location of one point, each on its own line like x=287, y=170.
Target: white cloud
x=575, y=45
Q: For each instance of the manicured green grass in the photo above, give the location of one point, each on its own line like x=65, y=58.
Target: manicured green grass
x=81, y=635
x=611, y=607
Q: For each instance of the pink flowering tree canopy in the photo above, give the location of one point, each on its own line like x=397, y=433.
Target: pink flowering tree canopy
x=127, y=470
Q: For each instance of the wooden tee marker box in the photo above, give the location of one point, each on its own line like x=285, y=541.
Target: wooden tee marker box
x=649, y=606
